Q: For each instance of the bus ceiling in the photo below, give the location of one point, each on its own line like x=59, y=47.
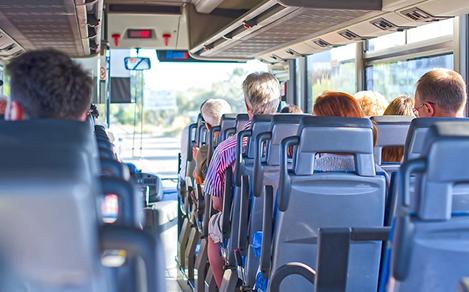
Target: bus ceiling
x=270, y=30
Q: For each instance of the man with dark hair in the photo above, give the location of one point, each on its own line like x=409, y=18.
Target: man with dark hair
x=47, y=84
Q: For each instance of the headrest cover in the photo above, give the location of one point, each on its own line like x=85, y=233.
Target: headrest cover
x=445, y=148
x=335, y=135
x=416, y=135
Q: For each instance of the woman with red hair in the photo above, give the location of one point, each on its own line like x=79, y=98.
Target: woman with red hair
x=337, y=104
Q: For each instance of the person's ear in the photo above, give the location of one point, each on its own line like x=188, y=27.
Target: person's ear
x=14, y=111
x=430, y=109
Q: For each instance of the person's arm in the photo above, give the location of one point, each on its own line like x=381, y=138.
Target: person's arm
x=223, y=158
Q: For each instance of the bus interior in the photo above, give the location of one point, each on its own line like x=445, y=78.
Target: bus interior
x=113, y=203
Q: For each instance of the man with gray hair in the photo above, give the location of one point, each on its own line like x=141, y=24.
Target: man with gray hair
x=261, y=96
x=440, y=93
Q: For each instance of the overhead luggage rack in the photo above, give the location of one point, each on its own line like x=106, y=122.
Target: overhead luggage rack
x=276, y=23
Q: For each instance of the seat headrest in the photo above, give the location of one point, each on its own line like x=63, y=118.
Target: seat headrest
x=416, y=135
x=392, y=131
x=228, y=117
x=241, y=120
x=227, y=121
x=335, y=135
x=283, y=125
x=392, y=119
x=50, y=133
x=289, y=118
x=260, y=124
x=261, y=118
x=445, y=149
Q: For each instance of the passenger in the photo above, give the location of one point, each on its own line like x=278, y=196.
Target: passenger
x=212, y=111
x=336, y=104
x=47, y=84
x=339, y=104
x=400, y=106
x=372, y=103
x=291, y=109
x=440, y=93
x=261, y=96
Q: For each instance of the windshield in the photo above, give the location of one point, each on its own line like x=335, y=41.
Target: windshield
x=164, y=100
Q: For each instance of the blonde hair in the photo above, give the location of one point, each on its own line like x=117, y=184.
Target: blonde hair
x=372, y=103
x=400, y=106
x=213, y=109
x=261, y=93
x=444, y=88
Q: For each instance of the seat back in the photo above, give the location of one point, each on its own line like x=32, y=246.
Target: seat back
x=260, y=124
x=309, y=199
x=228, y=121
x=265, y=172
x=416, y=135
x=433, y=234
x=52, y=134
x=392, y=131
x=241, y=120
x=49, y=199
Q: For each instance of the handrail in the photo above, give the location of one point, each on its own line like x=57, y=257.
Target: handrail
x=258, y=168
x=239, y=154
x=284, y=183
x=136, y=243
x=291, y=269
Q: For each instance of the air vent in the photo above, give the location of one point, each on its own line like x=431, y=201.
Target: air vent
x=350, y=35
x=384, y=24
x=322, y=43
x=8, y=48
x=417, y=14
x=293, y=53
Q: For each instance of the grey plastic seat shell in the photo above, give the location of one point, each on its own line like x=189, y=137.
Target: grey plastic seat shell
x=308, y=200
x=392, y=131
x=51, y=241
x=416, y=135
x=415, y=142
x=435, y=236
x=282, y=126
x=52, y=134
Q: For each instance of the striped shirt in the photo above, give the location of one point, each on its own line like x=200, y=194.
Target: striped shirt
x=223, y=157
